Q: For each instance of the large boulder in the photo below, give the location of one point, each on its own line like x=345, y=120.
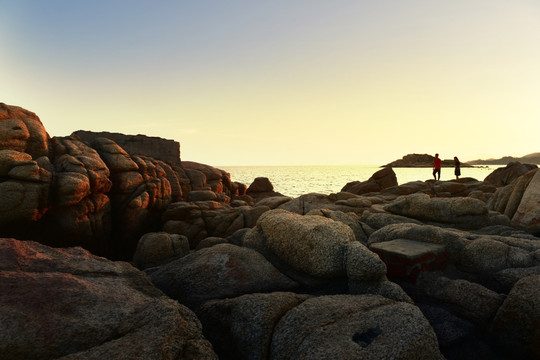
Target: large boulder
x=381, y=180
x=505, y=176
x=466, y=299
x=221, y=271
x=154, y=249
x=527, y=215
x=69, y=304
x=354, y=327
x=516, y=325
x=242, y=327
x=462, y=212
x=22, y=131
x=306, y=203
x=311, y=244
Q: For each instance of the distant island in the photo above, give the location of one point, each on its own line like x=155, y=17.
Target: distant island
x=533, y=158
x=421, y=160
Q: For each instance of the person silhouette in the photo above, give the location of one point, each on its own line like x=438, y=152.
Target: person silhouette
x=437, y=167
x=457, y=167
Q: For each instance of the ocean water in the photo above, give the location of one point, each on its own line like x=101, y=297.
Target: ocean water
x=294, y=181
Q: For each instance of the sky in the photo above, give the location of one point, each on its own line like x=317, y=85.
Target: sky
x=284, y=82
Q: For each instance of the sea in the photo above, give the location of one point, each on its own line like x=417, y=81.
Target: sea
x=294, y=181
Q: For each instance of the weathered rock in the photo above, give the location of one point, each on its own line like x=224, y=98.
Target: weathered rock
x=58, y=303
x=506, y=200
x=274, y=201
x=138, y=145
x=516, y=324
x=509, y=277
x=242, y=327
x=462, y=212
x=362, y=264
x=380, y=220
x=201, y=219
x=22, y=131
x=354, y=327
x=217, y=272
x=527, y=215
x=139, y=195
x=486, y=255
x=154, y=249
x=505, y=176
x=306, y=203
x=312, y=244
x=466, y=299
x=201, y=195
x=382, y=179
x=361, y=231
x=210, y=241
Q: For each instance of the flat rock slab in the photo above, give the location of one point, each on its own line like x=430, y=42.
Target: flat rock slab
x=406, y=258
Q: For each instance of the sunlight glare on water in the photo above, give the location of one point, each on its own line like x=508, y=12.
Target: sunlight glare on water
x=298, y=180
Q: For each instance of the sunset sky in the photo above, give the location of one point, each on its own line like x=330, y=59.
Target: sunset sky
x=286, y=82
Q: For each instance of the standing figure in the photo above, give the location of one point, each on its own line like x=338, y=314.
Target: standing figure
x=437, y=167
x=457, y=167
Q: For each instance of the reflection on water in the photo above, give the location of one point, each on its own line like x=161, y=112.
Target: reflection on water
x=297, y=180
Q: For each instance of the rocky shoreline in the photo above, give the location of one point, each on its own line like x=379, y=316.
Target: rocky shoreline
x=112, y=247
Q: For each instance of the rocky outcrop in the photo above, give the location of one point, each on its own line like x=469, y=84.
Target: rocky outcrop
x=69, y=304
x=138, y=145
x=198, y=220
x=420, y=160
x=381, y=180
x=505, y=176
x=520, y=201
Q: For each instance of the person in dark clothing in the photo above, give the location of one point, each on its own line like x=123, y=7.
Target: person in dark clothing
x=457, y=167
x=437, y=167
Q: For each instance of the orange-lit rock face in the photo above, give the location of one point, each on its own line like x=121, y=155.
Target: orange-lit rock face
x=21, y=130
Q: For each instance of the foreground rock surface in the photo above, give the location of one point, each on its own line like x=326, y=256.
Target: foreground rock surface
x=69, y=304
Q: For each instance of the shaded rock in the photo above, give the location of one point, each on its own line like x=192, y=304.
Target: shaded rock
x=486, y=255
x=382, y=287
x=451, y=330
x=201, y=195
x=242, y=327
x=210, y=241
x=201, y=219
x=509, y=277
x=465, y=299
x=58, y=303
x=506, y=200
x=260, y=184
x=380, y=220
x=353, y=327
x=217, y=272
x=505, y=176
x=463, y=212
x=516, y=324
x=154, y=249
x=527, y=215
x=382, y=179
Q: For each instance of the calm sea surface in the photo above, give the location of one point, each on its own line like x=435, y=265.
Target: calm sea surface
x=298, y=180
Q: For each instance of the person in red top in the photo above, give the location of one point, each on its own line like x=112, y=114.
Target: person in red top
x=437, y=167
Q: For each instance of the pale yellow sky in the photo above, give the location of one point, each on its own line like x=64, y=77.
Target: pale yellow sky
x=283, y=83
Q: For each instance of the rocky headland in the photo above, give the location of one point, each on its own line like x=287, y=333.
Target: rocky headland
x=422, y=160
x=112, y=247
